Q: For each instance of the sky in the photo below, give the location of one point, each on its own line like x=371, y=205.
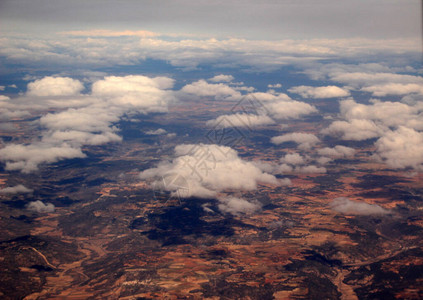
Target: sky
x=267, y=19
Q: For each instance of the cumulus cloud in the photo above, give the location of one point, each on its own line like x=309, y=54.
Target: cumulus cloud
x=82, y=119
x=54, y=86
x=208, y=170
x=285, y=110
x=219, y=91
x=310, y=169
x=138, y=92
x=274, y=86
x=17, y=189
x=27, y=157
x=240, y=120
x=384, y=90
x=293, y=159
x=330, y=91
x=39, y=207
x=222, y=78
x=237, y=206
x=304, y=140
x=296, y=163
x=362, y=79
x=401, y=148
x=373, y=120
x=337, y=151
x=278, y=106
x=356, y=130
x=159, y=131
x=346, y=206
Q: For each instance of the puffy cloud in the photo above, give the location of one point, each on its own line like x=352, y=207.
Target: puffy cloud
x=39, y=207
x=219, y=91
x=89, y=119
x=54, y=86
x=346, y=206
x=17, y=189
x=135, y=92
x=83, y=119
x=383, y=90
x=370, y=121
x=222, y=78
x=237, y=206
x=294, y=162
x=305, y=140
x=337, y=151
x=208, y=170
x=330, y=91
x=356, y=130
x=274, y=86
x=284, y=110
x=293, y=159
x=27, y=157
x=360, y=79
x=240, y=120
x=401, y=148
x=310, y=169
x=159, y=131
x=78, y=138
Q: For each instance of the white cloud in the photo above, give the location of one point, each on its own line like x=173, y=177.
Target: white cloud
x=40, y=207
x=237, y=206
x=310, y=169
x=360, y=79
x=17, y=189
x=219, y=91
x=240, y=120
x=337, y=151
x=356, y=130
x=274, y=86
x=89, y=119
x=78, y=138
x=401, y=148
x=222, y=78
x=370, y=121
x=27, y=157
x=349, y=207
x=82, y=119
x=304, y=140
x=159, y=131
x=208, y=170
x=285, y=110
x=293, y=159
x=384, y=90
x=54, y=86
x=330, y=91
x=135, y=92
